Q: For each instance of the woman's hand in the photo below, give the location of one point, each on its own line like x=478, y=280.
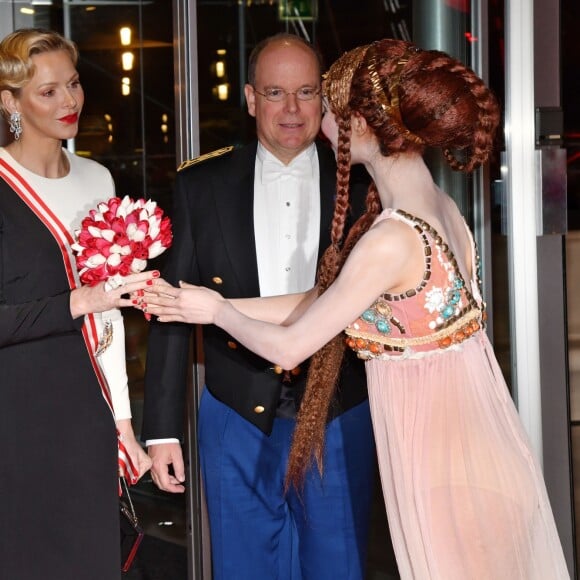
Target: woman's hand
x=188, y=303
x=140, y=459
x=104, y=296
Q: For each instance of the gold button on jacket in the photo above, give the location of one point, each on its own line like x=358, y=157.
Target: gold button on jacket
x=259, y=409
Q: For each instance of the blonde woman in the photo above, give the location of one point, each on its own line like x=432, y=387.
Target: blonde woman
x=58, y=434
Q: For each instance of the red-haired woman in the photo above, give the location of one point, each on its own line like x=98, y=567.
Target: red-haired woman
x=465, y=497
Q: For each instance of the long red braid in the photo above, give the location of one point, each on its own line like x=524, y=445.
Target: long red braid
x=391, y=84
x=325, y=364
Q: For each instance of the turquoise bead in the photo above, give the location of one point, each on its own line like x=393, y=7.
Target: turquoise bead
x=369, y=316
x=447, y=312
x=383, y=326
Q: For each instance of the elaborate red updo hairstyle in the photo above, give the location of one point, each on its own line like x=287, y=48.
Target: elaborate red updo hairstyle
x=411, y=99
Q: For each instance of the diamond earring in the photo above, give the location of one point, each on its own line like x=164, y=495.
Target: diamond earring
x=16, y=125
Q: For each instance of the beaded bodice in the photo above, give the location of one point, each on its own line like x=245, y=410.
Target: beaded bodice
x=441, y=311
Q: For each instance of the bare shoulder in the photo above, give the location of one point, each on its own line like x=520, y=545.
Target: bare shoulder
x=389, y=257
x=389, y=239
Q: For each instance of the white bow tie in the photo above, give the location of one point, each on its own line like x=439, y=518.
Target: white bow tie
x=298, y=169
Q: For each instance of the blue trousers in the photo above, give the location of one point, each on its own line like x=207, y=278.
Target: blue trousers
x=260, y=533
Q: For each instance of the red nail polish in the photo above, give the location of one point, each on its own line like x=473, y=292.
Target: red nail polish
x=149, y=282
x=147, y=316
x=135, y=301
x=156, y=274
x=140, y=293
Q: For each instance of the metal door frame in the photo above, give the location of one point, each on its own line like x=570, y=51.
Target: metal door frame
x=536, y=260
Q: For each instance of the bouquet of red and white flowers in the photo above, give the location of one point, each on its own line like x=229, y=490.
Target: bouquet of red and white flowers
x=118, y=237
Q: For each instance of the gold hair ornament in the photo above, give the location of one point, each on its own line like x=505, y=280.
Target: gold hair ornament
x=391, y=107
x=338, y=80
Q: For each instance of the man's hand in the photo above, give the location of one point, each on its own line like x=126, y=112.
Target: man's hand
x=163, y=455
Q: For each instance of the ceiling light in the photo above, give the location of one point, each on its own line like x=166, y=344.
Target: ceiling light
x=127, y=60
x=125, y=34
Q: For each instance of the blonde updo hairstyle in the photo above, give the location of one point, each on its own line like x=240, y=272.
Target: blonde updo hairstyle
x=411, y=99
x=17, y=50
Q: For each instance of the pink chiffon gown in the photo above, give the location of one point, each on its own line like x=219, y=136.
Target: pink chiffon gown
x=464, y=493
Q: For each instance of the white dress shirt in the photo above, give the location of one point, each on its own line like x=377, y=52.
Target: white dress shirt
x=286, y=221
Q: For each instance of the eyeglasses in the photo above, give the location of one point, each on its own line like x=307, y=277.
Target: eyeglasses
x=275, y=95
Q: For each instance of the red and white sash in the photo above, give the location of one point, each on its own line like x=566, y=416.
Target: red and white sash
x=64, y=239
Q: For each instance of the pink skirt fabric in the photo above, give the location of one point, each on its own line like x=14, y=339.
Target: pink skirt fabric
x=465, y=496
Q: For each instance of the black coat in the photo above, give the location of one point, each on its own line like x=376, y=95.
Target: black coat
x=214, y=246
x=59, y=470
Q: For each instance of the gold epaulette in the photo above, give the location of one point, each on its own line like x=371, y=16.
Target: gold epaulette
x=204, y=157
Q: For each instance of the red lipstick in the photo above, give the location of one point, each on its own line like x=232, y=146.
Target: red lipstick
x=70, y=119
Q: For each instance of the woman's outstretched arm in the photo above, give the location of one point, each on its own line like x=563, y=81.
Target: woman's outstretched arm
x=388, y=256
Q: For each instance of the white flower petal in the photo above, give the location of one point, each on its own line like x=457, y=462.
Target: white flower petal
x=138, y=265
x=154, y=229
x=130, y=230
x=150, y=206
x=95, y=232
x=139, y=235
x=114, y=260
x=155, y=249
x=108, y=235
x=96, y=260
x=122, y=250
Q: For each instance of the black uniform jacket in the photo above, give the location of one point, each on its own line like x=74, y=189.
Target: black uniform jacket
x=214, y=246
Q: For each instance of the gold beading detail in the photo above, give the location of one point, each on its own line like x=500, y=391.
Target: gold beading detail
x=469, y=320
x=391, y=107
x=436, y=337
x=338, y=80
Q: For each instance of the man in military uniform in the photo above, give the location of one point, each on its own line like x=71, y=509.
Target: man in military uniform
x=247, y=222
